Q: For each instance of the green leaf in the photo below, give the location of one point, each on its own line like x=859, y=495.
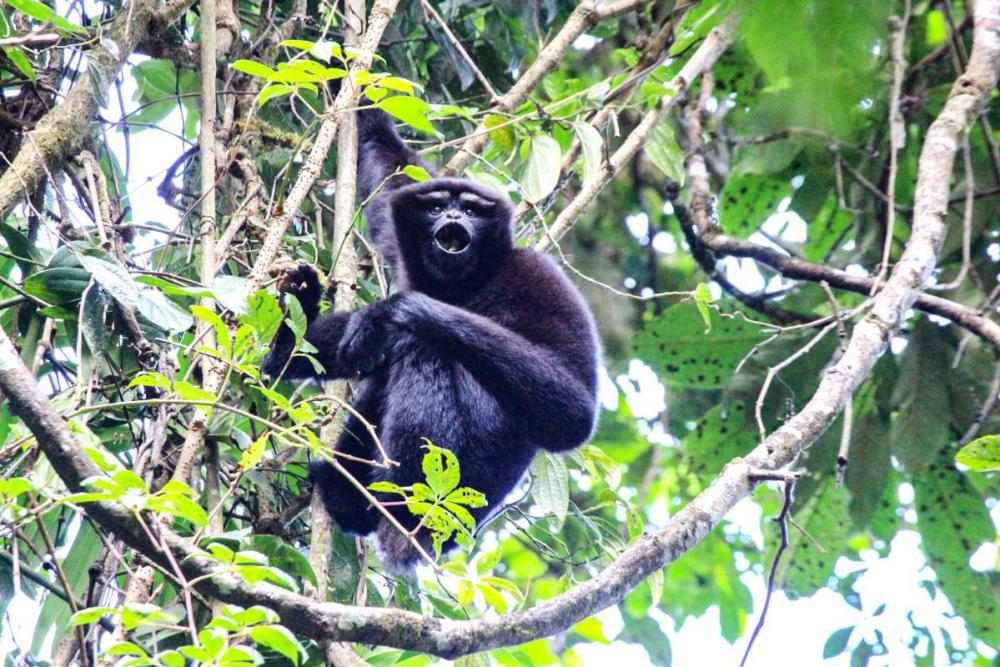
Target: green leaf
x=190, y=392
x=837, y=642
x=826, y=229
x=126, y=648
x=113, y=277
x=59, y=286
x=411, y=110
x=725, y=432
x=297, y=44
x=228, y=290
x=156, y=307
x=273, y=90
x=748, y=200
x=440, y=469
x=954, y=522
x=25, y=252
x=16, y=55
x=386, y=487
x=254, y=453
x=676, y=343
x=937, y=28
x=467, y=496
x=277, y=638
x=264, y=316
x=982, y=454
x=541, y=175
x=221, y=330
x=921, y=427
x=285, y=557
x=92, y=615
x=702, y=299
x=824, y=518
x=418, y=174
x=46, y=14
x=253, y=68
x=493, y=597
x=550, y=489
x=503, y=136
x=593, y=150
x=397, y=83
x=664, y=152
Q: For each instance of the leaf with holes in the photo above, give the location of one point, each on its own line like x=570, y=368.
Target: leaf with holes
x=824, y=518
x=677, y=344
x=725, y=432
x=441, y=470
x=982, y=454
x=954, y=522
x=748, y=200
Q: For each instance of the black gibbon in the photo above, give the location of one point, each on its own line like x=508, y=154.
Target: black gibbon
x=486, y=349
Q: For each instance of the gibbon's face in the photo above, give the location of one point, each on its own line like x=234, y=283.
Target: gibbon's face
x=455, y=226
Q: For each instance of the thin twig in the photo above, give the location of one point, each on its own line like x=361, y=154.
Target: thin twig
x=897, y=131
x=788, y=479
x=457, y=45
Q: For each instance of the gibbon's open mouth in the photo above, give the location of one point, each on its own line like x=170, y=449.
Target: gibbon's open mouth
x=452, y=237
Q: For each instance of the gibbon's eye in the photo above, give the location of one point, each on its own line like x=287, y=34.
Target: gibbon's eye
x=469, y=212
x=436, y=209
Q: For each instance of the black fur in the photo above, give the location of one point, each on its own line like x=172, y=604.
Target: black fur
x=489, y=352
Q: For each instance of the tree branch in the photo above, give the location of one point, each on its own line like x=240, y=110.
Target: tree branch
x=715, y=44
x=585, y=16
x=62, y=131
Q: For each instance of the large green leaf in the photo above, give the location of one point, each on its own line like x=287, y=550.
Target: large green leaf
x=748, y=200
x=58, y=286
x=824, y=518
x=677, y=344
x=921, y=427
x=953, y=523
x=727, y=431
x=541, y=175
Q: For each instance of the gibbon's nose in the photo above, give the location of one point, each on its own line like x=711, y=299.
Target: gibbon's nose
x=453, y=214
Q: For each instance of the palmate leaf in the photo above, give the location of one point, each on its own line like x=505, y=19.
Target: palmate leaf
x=440, y=469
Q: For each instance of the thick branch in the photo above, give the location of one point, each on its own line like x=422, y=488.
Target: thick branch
x=800, y=269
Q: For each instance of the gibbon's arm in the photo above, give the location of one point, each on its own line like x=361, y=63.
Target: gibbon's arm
x=381, y=152
x=324, y=333
x=554, y=406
